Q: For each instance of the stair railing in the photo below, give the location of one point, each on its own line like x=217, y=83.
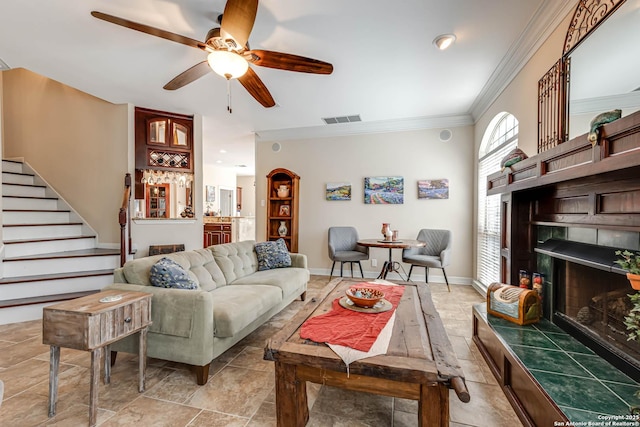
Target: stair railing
x=124, y=219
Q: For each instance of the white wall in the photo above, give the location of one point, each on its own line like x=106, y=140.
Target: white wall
x=218, y=177
x=248, y=195
x=415, y=155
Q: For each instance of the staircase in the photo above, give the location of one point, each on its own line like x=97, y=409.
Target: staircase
x=50, y=253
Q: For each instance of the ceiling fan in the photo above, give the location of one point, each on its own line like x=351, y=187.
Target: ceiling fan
x=228, y=51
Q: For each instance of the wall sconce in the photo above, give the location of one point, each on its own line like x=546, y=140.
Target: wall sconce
x=443, y=41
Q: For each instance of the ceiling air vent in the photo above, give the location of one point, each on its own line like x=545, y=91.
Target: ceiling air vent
x=342, y=119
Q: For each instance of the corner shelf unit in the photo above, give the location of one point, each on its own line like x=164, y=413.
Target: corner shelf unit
x=283, y=209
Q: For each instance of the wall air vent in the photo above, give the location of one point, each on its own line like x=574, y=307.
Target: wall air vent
x=342, y=119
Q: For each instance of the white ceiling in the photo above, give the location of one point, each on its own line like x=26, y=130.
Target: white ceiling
x=385, y=66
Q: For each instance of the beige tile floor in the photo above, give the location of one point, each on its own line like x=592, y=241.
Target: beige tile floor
x=240, y=390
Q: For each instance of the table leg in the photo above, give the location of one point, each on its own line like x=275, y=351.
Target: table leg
x=107, y=364
x=433, y=406
x=93, y=390
x=142, y=359
x=291, y=397
x=54, y=364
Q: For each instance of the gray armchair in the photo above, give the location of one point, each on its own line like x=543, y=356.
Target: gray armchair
x=436, y=253
x=343, y=247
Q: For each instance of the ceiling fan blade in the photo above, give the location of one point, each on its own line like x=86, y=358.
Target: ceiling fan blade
x=149, y=30
x=188, y=76
x=237, y=20
x=287, y=61
x=256, y=88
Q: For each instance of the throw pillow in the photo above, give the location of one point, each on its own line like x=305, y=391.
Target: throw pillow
x=166, y=273
x=273, y=255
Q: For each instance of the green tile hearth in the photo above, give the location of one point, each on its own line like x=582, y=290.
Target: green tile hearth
x=583, y=385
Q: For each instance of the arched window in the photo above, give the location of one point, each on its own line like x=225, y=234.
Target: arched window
x=500, y=137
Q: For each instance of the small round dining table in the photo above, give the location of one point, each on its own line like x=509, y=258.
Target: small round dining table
x=391, y=245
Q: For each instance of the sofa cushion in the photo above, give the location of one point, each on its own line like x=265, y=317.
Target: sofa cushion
x=235, y=307
x=272, y=255
x=166, y=273
x=236, y=260
x=201, y=264
x=137, y=271
x=289, y=280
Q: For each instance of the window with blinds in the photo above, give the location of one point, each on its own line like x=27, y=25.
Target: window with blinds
x=502, y=138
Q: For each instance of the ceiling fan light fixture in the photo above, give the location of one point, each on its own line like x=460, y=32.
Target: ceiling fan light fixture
x=443, y=41
x=229, y=65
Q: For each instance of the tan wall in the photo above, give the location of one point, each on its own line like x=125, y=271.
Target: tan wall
x=76, y=142
x=248, y=195
x=415, y=155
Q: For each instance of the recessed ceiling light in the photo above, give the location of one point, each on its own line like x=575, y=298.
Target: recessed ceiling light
x=443, y=41
x=223, y=151
x=218, y=161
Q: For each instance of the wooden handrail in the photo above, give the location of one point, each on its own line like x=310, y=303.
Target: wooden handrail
x=124, y=219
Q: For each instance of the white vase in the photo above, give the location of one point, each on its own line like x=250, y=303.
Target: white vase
x=283, y=191
x=282, y=230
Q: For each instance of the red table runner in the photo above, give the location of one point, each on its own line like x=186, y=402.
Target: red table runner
x=351, y=328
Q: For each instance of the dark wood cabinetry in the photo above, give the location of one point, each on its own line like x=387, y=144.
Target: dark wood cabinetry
x=282, y=206
x=163, y=142
x=217, y=233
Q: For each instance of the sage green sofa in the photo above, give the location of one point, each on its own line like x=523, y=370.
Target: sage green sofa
x=233, y=299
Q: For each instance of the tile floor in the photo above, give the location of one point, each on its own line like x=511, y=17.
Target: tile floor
x=559, y=363
x=240, y=390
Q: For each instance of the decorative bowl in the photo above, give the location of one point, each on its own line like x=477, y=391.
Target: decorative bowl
x=364, y=297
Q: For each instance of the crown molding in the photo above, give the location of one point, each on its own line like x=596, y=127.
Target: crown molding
x=3, y=65
x=357, y=128
x=605, y=103
x=545, y=20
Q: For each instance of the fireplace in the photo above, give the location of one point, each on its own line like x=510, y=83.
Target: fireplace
x=589, y=298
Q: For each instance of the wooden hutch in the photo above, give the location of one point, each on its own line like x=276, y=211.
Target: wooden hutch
x=283, y=209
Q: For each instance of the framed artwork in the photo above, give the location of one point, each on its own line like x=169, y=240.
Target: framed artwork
x=285, y=210
x=338, y=191
x=433, y=189
x=211, y=193
x=382, y=190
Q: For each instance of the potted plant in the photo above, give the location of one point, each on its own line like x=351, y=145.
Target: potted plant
x=631, y=262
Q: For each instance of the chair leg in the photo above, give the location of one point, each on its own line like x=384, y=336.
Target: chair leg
x=446, y=280
x=410, y=270
x=351, y=268
x=341, y=264
x=361, y=273
x=426, y=275
x=331, y=274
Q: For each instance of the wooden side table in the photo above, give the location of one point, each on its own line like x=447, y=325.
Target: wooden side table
x=92, y=323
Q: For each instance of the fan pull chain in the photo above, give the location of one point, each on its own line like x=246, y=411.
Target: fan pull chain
x=229, y=109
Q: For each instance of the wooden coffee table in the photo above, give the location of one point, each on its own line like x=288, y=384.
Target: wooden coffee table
x=420, y=363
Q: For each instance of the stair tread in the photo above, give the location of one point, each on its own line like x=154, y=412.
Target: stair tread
x=42, y=225
x=30, y=197
x=44, y=299
x=52, y=239
x=19, y=173
x=57, y=276
x=25, y=185
x=37, y=210
x=67, y=254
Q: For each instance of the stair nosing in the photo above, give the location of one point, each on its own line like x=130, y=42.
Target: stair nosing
x=30, y=197
x=25, y=185
x=53, y=239
x=55, y=276
x=20, y=173
x=63, y=255
x=42, y=225
x=38, y=210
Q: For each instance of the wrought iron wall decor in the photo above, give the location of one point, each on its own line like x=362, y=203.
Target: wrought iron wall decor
x=553, y=87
